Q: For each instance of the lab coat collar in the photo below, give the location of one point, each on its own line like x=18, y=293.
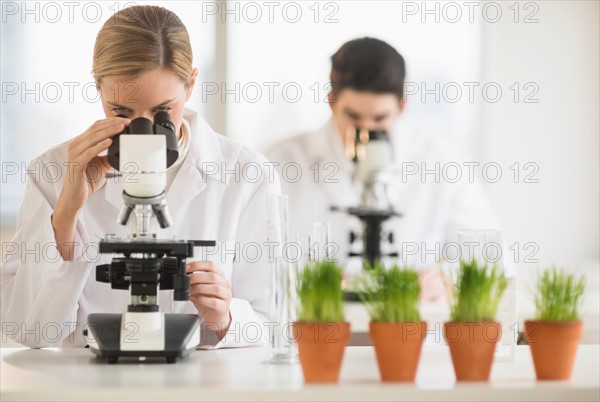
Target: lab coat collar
x=205, y=151
x=325, y=145
x=208, y=151
x=402, y=143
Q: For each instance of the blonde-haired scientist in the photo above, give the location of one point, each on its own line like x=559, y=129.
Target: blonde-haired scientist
x=142, y=65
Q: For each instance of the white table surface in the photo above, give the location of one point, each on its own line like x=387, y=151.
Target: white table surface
x=238, y=374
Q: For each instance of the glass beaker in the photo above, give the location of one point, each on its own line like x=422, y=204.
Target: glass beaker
x=320, y=241
x=282, y=286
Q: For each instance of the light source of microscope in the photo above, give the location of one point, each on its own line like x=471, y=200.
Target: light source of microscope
x=142, y=263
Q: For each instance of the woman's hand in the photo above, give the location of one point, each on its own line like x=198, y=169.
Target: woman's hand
x=210, y=292
x=433, y=285
x=87, y=170
x=85, y=173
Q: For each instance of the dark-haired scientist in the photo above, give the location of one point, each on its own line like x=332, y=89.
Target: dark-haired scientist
x=367, y=77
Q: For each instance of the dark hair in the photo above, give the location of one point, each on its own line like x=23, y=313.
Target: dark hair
x=368, y=65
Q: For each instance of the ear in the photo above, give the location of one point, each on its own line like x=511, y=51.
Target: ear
x=333, y=99
x=402, y=104
x=190, y=87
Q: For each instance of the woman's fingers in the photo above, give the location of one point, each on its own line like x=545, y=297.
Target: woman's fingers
x=204, y=271
x=109, y=127
x=199, y=277
x=85, y=168
x=94, y=135
x=97, y=126
x=98, y=135
x=95, y=172
x=432, y=284
x=103, y=161
x=210, y=290
x=208, y=280
x=95, y=150
x=202, y=266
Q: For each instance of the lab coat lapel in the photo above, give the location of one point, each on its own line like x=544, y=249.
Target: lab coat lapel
x=205, y=150
x=399, y=188
x=187, y=184
x=327, y=147
x=113, y=190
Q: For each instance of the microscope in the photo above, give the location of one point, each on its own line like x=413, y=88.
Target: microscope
x=373, y=154
x=142, y=263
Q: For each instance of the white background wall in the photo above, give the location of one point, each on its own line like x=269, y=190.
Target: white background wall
x=560, y=133
x=297, y=55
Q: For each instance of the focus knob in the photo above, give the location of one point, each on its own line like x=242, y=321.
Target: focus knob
x=103, y=273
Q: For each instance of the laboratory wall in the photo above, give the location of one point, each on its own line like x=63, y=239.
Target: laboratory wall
x=555, y=216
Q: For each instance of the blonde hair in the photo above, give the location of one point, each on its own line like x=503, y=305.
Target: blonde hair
x=142, y=38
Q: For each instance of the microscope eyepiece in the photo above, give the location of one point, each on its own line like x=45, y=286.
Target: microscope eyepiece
x=378, y=135
x=372, y=135
x=162, y=125
x=164, y=119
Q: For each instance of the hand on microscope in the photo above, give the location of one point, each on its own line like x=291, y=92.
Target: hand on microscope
x=85, y=173
x=210, y=292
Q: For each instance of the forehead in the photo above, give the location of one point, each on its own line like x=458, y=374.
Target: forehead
x=149, y=87
x=366, y=102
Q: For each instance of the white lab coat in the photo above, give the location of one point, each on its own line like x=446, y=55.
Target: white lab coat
x=45, y=301
x=433, y=210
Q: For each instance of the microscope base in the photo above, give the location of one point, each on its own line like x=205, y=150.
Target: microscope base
x=105, y=337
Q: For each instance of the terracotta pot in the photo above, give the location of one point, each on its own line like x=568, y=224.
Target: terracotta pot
x=553, y=347
x=472, y=346
x=398, y=348
x=321, y=349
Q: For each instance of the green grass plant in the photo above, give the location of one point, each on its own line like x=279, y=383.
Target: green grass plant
x=320, y=295
x=478, y=291
x=390, y=295
x=558, y=296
